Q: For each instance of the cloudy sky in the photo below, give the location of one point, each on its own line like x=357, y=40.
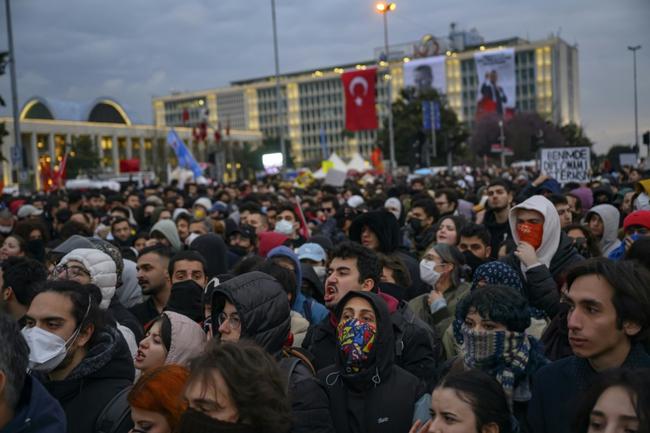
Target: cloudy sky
x=133, y=50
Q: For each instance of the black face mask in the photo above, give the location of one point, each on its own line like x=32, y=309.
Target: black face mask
x=582, y=247
x=193, y=421
x=472, y=261
x=240, y=251
x=416, y=225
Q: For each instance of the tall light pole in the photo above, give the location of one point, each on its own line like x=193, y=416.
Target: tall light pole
x=14, y=95
x=278, y=95
x=636, y=106
x=383, y=8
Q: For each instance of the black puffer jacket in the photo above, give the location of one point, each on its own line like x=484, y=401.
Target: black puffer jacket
x=104, y=372
x=380, y=398
x=417, y=350
x=386, y=227
x=263, y=308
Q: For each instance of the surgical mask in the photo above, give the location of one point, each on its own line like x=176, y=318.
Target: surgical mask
x=284, y=227
x=428, y=274
x=356, y=340
x=46, y=350
x=5, y=230
x=320, y=271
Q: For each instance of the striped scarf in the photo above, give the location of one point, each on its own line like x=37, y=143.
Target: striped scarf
x=503, y=354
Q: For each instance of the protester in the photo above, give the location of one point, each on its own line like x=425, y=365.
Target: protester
x=608, y=321
x=235, y=388
x=13, y=246
x=25, y=406
x=365, y=372
x=156, y=400
x=19, y=279
x=154, y=279
x=603, y=221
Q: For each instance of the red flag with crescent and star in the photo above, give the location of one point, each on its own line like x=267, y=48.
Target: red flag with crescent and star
x=359, y=87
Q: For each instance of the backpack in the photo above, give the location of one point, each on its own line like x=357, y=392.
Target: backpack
x=114, y=414
x=292, y=357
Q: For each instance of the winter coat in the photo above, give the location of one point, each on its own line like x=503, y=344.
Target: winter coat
x=187, y=339
x=264, y=312
x=611, y=219
x=307, y=307
x=384, y=225
x=556, y=254
x=37, y=411
x=213, y=249
x=167, y=228
x=416, y=350
x=129, y=293
x=381, y=397
x=558, y=386
x=499, y=232
x=441, y=319
x=106, y=369
x=299, y=327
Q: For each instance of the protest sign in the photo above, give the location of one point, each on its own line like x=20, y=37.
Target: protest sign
x=566, y=164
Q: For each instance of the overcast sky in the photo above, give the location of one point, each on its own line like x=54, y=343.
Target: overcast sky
x=133, y=50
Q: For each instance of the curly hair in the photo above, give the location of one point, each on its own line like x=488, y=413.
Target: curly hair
x=160, y=390
x=500, y=304
x=254, y=380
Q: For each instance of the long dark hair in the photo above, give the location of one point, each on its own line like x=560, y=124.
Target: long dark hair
x=635, y=382
x=484, y=394
x=254, y=382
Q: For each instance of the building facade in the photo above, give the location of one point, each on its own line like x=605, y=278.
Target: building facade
x=313, y=113
x=50, y=127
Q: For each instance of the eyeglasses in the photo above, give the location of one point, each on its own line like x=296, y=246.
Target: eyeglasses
x=327, y=209
x=69, y=272
x=234, y=322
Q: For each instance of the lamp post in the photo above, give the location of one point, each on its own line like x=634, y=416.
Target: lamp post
x=636, y=107
x=383, y=8
x=278, y=95
x=14, y=100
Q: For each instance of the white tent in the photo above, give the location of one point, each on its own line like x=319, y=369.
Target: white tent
x=337, y=164
x=358, y=164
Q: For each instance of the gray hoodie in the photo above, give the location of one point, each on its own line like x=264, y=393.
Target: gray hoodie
x=611, y=217
x=168, y=229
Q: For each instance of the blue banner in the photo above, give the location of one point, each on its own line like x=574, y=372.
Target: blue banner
x=183, y=154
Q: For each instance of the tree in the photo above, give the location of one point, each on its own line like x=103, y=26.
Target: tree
x=574, y=136
x=83, y=157
x=410, y=138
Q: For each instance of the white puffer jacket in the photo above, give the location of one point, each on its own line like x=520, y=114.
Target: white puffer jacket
x=101, y=268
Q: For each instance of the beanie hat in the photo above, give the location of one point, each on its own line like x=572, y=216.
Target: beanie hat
x=101, y=268
x=205, y=202
x=637, y=218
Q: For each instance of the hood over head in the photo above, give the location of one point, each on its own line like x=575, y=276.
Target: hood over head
x=283, y=251
x=497, y=273
x=611, y=218
x=268, y=241
x=383, y=356
x=262, y=305
x=168, y=229
x=586, y=196
x=188, y=339
x=213, y=249
x=383, y=224
x=115, y=253
x=551, y=233
x=101, y=268
x=72, y=243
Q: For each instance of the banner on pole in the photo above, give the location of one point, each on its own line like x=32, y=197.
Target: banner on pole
x=426, y=74
x=497, y=89
x=566, y=164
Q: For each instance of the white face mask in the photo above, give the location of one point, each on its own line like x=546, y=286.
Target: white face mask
x=427, y=272
x=46, y=350
x=320, y=271
x=5, y=230
x=284, y=227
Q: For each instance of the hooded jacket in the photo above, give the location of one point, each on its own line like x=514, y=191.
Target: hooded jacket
x=168, y=229
x=306, y=307
x=106, y=369
x=129, y=293
x=101, y=268
x=555, y=254
x=264, y=312
x=214, y=251
x=268, y=241
x=386, y=228
x=611, y=218
x=37, y=411
x=187, y=340
x=381, y=397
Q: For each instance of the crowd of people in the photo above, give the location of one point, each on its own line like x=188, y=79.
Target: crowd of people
x=491, y=301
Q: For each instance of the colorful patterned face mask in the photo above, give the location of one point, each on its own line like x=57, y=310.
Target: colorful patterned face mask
x=356, y=340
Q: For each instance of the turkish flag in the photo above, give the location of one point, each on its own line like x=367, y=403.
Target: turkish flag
x=359, y=87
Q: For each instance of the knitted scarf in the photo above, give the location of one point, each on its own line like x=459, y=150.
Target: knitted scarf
x=502, y=354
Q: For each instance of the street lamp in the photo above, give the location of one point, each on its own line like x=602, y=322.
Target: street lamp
x=278, y=95
x=636, y=107
x=383, y=8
